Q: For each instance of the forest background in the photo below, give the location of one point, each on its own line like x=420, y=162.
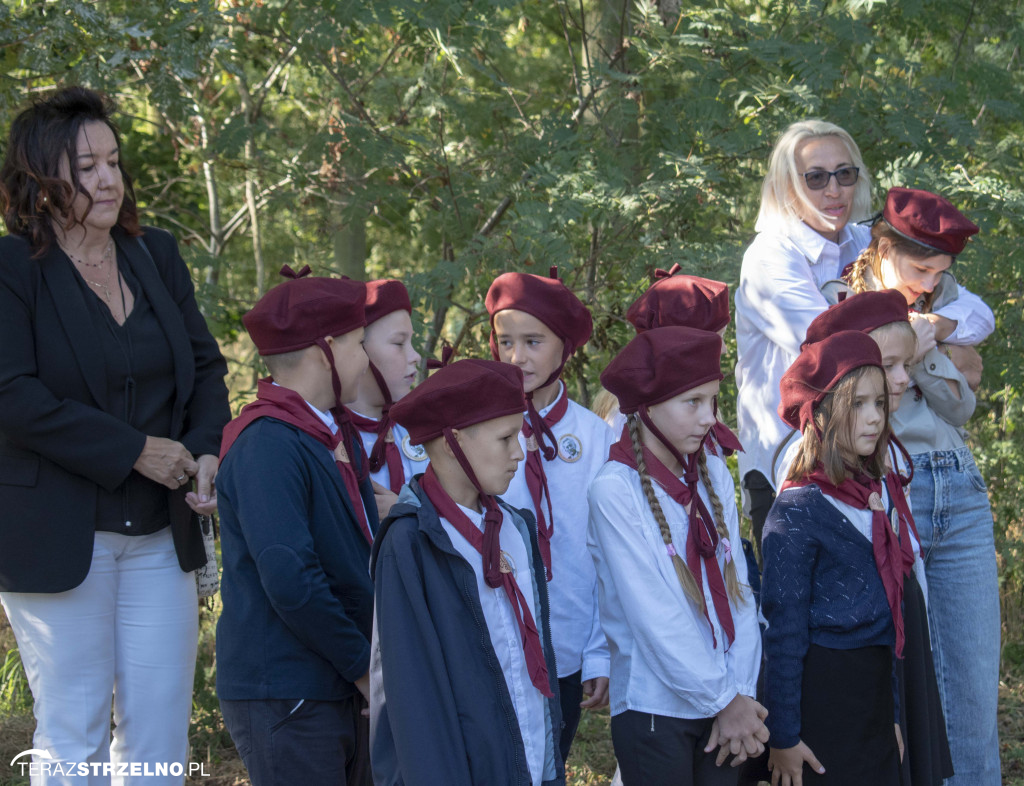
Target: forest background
x=446, y=141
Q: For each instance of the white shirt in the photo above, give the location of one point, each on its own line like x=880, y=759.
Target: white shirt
x=777, y=299
x=414, y=457
x=575, y=623
x=662, y=657
x=530, y=704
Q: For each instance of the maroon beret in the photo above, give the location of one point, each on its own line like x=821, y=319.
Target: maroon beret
x=294, y=314
x=384, y=296
x=545, y=298
x=863, y=312
x=661, y=363
x=927, y=219
x=459, y=395
x=681, y=300
x=817, y=370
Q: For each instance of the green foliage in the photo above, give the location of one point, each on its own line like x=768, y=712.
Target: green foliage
x=14, y=693
x=445, y=141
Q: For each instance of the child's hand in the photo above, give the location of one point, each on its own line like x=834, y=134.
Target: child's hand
x=738, y=730
x=385, y=499
x=363, y=685
x=597, y=690
x=787, y=764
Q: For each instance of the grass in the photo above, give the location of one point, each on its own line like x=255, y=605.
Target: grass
x=592, y=762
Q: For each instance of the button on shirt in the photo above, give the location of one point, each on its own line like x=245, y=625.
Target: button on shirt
x=662, y=658
x=576, y=633
x=504, y=632
x=778, y=297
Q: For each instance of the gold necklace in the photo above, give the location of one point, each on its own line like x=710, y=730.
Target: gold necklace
x=104, y=286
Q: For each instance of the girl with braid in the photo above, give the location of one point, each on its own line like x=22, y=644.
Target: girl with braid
x=674, y=604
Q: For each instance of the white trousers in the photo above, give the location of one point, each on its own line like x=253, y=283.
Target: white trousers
x=129, y=631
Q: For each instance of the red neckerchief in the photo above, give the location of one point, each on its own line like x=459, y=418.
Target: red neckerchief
x=385, y=451
x=489, y=539
x=284, y=404
x=894, y=556
x=702, y=536
x=537, y=480
x=721, y=440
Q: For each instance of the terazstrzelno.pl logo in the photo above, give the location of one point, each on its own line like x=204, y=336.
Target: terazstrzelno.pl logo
x=43, y=764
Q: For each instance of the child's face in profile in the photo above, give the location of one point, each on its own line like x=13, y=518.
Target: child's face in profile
x=525, y=341
x=867, y=414
x=350, y=361
x=686, y=418
x=897, y=348
x=388, y=345
x=493, y=451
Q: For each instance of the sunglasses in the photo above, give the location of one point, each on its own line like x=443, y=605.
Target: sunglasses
x=818, y=179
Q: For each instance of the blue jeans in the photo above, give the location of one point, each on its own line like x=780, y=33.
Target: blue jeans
x=953, y=517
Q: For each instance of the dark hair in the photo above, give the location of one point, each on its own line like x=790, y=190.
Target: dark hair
x=32, y=191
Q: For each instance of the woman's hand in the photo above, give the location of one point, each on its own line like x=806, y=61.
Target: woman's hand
x=165, y=461
x=204, y=499
x=738, y=730
x=787, y=764
x=968, y=362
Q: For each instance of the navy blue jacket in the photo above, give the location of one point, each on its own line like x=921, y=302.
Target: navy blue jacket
x=440, y=707
x=820, y=586
x=298, y=600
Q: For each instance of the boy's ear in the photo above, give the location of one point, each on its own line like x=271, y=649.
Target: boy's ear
x=448, y=448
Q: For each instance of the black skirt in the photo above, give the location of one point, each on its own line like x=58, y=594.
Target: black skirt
x=848, y=716
x=926, y=761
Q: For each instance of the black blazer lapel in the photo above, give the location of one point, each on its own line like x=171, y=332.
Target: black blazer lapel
x=73, y=313
x=169, y=316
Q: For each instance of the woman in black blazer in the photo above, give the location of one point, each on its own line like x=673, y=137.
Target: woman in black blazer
x=112, y=401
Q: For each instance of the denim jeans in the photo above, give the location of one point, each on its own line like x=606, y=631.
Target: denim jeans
x=953, y=517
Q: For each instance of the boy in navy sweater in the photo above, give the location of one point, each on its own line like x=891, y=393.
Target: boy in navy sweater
x=297, y=516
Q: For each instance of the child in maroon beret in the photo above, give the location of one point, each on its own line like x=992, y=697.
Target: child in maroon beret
x=836, y=551
x=536, y=324
x=393, y=364
x=675, y=604
x=883, y=316
x=913, y=249
x=463, y=680
x=297, y=519
x=686, y=301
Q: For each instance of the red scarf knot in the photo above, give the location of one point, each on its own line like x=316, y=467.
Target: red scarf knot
x=536, y=477
x=488, y=545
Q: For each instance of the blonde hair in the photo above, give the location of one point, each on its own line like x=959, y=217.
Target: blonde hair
x=901, y=326
x=782, y=194
x=605, y=405
x=866, y=271
x=691, y=586
x=833, y=418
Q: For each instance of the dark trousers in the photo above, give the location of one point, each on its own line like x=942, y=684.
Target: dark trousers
x=761, y=495
x=283, y=742
x=654, y=750
x=570, y=694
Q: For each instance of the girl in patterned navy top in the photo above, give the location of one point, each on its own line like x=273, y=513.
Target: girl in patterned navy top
x=836, y=553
